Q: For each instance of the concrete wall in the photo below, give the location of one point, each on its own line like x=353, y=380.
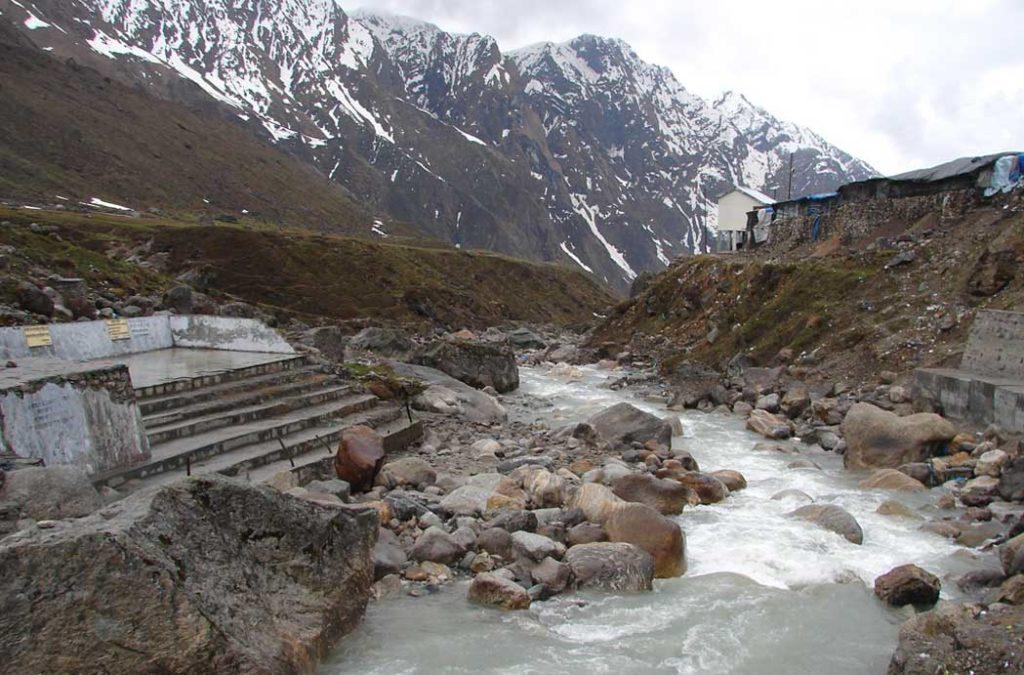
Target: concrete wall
x=87, y=418
x=995, y=346
x=87, y=340
x=222, y=332
x=732, y=210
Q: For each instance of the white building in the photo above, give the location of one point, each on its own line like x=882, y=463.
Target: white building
x=733, y=207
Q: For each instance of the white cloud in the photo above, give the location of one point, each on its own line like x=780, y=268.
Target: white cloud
x=899, y=83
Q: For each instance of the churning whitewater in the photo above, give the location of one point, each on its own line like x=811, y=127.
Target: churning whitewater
x=764, y=592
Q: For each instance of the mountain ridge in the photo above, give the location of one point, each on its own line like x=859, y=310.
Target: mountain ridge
x=578, y=151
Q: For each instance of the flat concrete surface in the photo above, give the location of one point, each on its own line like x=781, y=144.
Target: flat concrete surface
x=30, y=368
x=167, y=365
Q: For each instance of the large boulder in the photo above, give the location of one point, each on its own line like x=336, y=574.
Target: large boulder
x=524, y=338
x=596, y=501
x=666, y=496
x=642, y=526
x=436, y=545
x=209, y=574
x=908, y=585
x=446, y=395
x=359, y=457
x=877, y=438
x=497, y=591
x=610, y=566
x=954, y=638
x=478, y=364
x=331, y=341
x=388, y=342
x=734, y=480
x=618, y=427
x=833, y=518
x=51, y=492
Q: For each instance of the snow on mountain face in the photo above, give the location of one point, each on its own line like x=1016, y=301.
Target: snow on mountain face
x=579, y=152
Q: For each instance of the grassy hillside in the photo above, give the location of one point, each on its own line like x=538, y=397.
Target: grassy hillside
x=65, y=130
x=846, y=305
x=293, y=273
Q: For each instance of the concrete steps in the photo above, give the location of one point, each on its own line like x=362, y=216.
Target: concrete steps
x=254, y=422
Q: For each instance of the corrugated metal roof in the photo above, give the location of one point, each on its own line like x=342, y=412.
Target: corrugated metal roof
x=957, y=167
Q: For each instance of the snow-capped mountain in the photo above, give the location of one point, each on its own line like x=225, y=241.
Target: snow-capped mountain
x=580, y=152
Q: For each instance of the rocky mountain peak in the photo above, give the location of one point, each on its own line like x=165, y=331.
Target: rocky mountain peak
x=580, y=152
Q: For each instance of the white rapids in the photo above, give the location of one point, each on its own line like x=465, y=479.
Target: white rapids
x=764, y=593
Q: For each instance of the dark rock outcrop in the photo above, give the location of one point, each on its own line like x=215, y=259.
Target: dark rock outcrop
x=619, y=426
x=959, y=639
x=908, y=585
x=478, y=364
x=209, y=574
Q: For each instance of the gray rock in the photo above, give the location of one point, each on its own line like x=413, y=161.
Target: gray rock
x=388, y=342
x=524, y=338
x=412, y=471
x=32, y=299
x=610, y=566
x=478, y=364
x=552, y=574
x=535, y=547
x=334, y=486
x=495, y=541
x=51, y=492
x=206, y=574
x=179, y=299
x=622, y=424
x=436, y=545
x=833, y=518
x=388, y=558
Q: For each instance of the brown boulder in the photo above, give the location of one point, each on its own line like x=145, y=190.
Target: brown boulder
x=733, y=480
x=642, y=526
x=596, y=501
x=891, y=479
x=908, y=585
x=359, y=458
x=876, y=438
x=497, y=591
x=667, y=496
x=709, y=489
x=832, y=518
x=768, y=425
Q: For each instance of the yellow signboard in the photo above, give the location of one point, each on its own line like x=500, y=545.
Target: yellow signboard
x=37, y=336
x=117, y=329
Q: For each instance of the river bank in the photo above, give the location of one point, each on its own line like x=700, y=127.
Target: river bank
x=764, y=592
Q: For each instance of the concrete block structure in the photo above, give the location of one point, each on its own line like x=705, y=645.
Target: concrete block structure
x=146, y=401
x=989, y=385
x=68, y=391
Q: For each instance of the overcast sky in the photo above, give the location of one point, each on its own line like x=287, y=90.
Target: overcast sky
x=899, y=83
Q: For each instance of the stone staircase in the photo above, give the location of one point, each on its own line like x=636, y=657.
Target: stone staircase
x=286, y=415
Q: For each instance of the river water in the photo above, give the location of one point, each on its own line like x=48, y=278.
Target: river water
x=764, y=593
